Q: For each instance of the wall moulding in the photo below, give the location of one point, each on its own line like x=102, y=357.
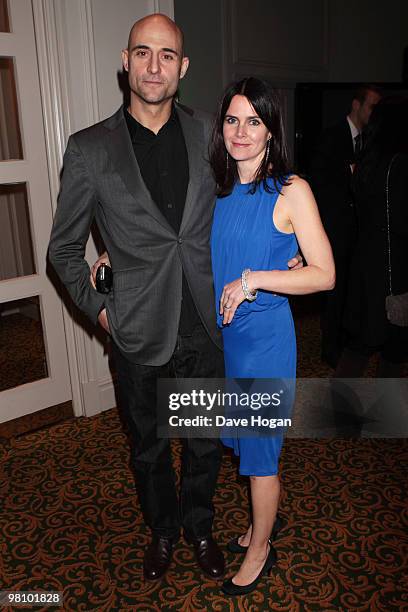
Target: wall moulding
x=163, y=6
x=50, y=24
x=271, y=60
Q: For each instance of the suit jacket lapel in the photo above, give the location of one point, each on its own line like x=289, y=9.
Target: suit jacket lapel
x=194, y=138
x=120, y=150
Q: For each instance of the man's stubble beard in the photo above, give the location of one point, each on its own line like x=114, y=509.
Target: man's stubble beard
x=155, y=101
x=138, y=91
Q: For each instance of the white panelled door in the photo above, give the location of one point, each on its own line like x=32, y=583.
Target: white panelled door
x=34, y=370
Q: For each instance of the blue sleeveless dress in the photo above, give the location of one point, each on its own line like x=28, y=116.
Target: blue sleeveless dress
x=260, y=342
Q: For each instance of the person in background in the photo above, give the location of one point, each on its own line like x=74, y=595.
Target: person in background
x=365, y=317
x=330, y=174
x=262, y=211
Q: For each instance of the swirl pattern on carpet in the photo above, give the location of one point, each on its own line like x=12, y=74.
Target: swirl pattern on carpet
x=70, y=521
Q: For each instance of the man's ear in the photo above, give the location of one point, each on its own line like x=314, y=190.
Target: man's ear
x=184, y=66
x=125, y=59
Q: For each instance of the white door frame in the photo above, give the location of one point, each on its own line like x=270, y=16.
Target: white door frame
x=49, y=19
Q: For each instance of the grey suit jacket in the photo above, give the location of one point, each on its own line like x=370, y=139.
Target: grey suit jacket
x=101, y=180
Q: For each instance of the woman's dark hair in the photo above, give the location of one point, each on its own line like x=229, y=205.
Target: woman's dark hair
x=266, y=104
x=385, y=135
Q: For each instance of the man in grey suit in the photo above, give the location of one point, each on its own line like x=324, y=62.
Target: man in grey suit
x=143, y=175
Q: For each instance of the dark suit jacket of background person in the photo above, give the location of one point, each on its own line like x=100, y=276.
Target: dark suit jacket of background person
x=330, y=177
x=102, y=180
x=365, y=315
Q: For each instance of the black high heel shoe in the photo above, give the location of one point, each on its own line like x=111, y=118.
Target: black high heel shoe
x=235, y=547
x=229, y=588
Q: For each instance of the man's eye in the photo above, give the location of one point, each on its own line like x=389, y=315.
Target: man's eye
x=141, y=53
x=168, y=57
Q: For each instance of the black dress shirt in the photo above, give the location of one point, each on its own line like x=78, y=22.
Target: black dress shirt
x=163, y=163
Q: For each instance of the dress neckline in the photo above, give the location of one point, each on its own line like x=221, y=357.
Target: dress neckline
x=242, y=185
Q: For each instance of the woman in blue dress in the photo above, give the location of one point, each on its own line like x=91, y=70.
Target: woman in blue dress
x=262, y=213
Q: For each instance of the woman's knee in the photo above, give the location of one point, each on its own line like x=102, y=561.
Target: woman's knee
x=272, y=478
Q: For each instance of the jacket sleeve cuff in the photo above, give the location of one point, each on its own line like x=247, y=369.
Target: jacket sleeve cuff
x=94, y=306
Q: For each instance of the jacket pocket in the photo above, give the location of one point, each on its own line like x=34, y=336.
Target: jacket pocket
x=130, y=278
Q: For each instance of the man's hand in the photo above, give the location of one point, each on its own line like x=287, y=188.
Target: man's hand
x=296, y=263
x=102, y=259
x=103, y=320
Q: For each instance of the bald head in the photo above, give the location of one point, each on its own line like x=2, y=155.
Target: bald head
x=155, y=63
x=159, y=22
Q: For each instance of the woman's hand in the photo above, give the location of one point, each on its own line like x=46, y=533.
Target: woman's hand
x=102, y=259
x=232, y=296
x=296, y=263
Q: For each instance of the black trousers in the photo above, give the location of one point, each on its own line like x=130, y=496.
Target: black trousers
x=195, y=356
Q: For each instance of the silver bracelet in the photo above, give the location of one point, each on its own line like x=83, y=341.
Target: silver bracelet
x=244, y=283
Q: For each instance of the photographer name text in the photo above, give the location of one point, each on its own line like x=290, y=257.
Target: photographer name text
x=222, y=421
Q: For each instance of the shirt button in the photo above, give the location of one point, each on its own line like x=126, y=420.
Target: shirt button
x=179, y=240
x=169, y=205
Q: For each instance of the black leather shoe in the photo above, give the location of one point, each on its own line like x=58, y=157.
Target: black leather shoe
x=235, y=547
x=230, y=588
x=209, y=557
x=157, y=558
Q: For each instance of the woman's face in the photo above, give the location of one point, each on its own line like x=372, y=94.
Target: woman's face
x=245, y=135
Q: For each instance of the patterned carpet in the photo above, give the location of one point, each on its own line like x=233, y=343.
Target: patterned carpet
x=22, y=357
x=70, y=522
